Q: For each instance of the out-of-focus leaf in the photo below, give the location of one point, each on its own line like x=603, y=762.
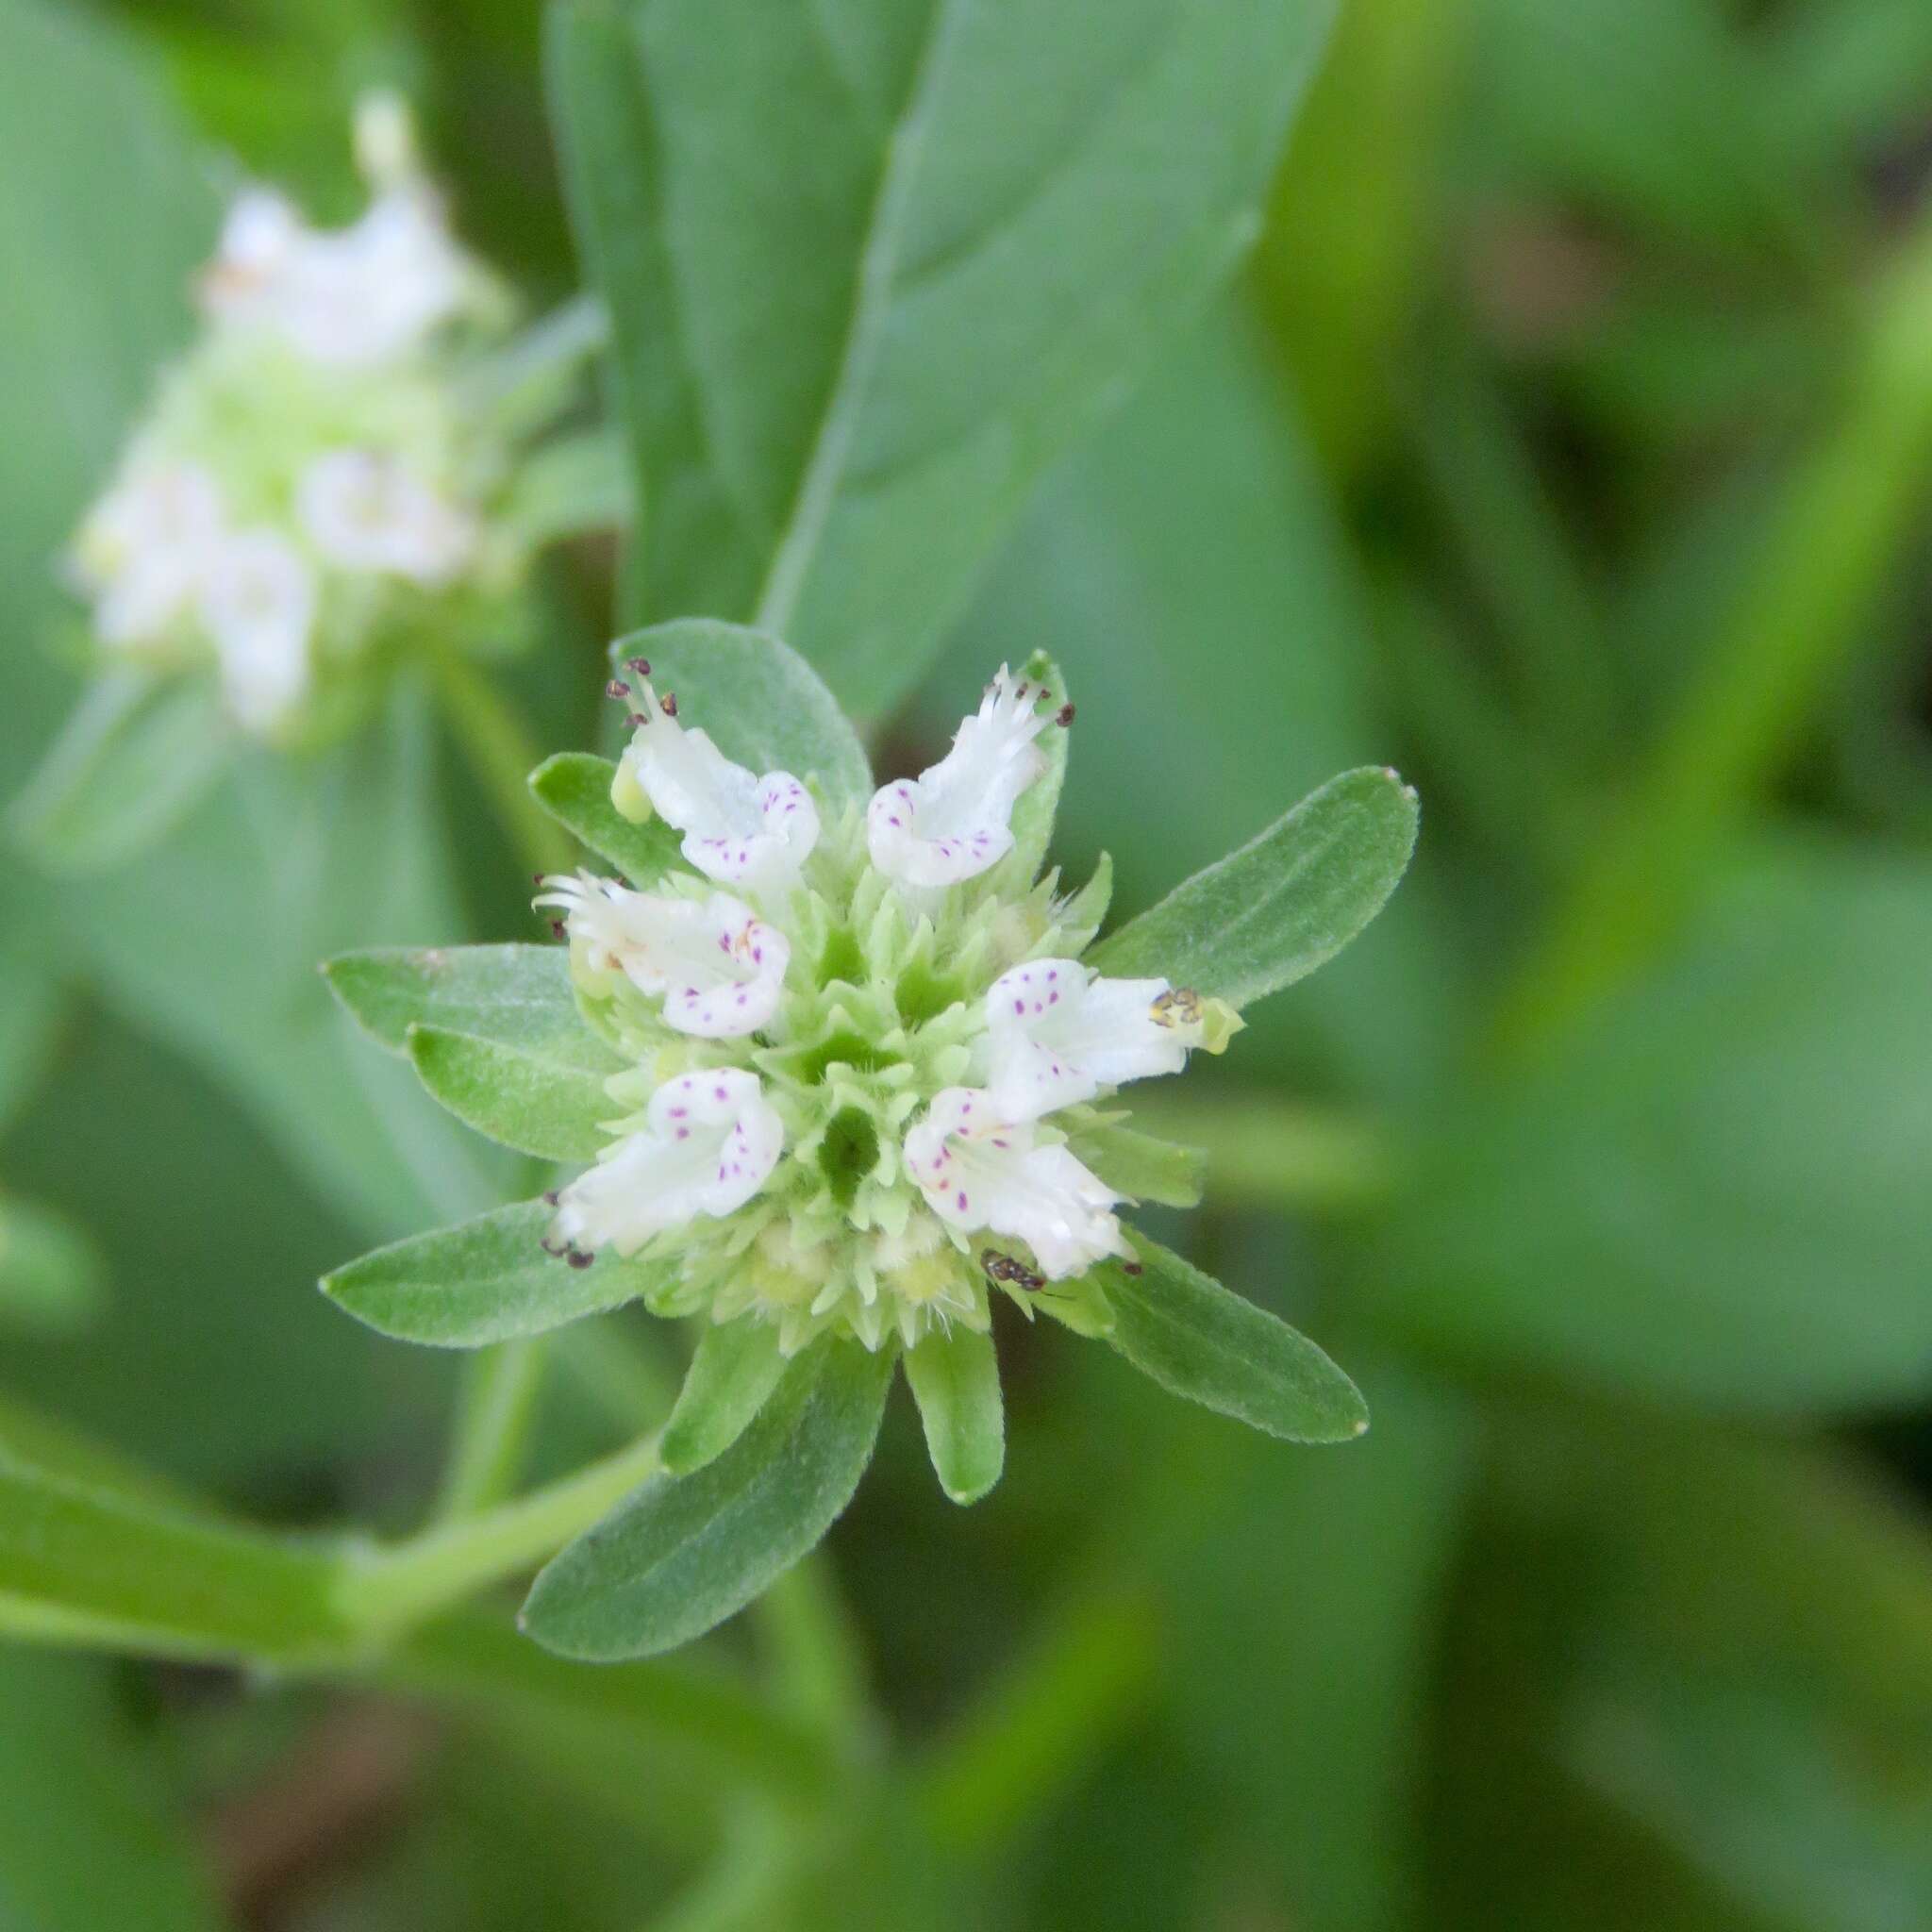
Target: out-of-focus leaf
x=85, y=1841
x=733, y=1370
x=869, y=274
x=686, y=1552
x=1198, y=1340
x=1716, y=1192
x=1284, y=904
x=574, y=789
x=1141, y=1167
x=762, y=704
x=30, y=1000
x=487, y=1281
x=515, y=995
x=133, y=760
x=538, y=1102
x=50, y=1275
x=955, y=1381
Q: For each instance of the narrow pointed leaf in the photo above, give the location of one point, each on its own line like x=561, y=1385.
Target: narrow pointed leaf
x=133, y=760
x=1270, y=913
x=736, y=1366
x=956, y=1382
x=1142, y=1167
x=761, y=703
x=537, y=1103
x=482, y=1281
x=1196, y=1339
x=687, y=1552
x=574, y=789
x=517, y=996
x=973, y=222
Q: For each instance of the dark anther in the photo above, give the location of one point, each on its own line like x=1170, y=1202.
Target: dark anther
x=536, y=878
x=550, y=1197
x=1132, y=1268
x=641, y=665
x=557, y=1253
x=638, y=721
x=1064, y=716
x=557, y=929
x=617, y=688
x=577, y=1259
x=668, y=704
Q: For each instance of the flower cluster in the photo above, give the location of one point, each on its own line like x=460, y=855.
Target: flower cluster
x=868, y=1074
x=313, y=474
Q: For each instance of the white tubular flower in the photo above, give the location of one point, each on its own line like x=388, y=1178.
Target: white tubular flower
x=1057, y=1033
x=259, y=605
x=953, y=821
x=710, y=1142
x=977, y=1170
x=738, y=828
x=146, y=549
x=718, y=969
x=365, y=511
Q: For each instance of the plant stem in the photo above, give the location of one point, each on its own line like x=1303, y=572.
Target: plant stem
x=498, y=1402
x=382, y=1591
x=502, y=757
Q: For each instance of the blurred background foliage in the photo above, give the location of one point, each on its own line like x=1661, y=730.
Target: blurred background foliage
x=1568, y=445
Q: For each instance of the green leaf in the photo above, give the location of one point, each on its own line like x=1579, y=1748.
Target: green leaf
x=1715, y=1194
x=686, y=1552
x=574, y=789
x=733, y=1370
x=50, y=1275
x=537, y=1102
x=82, y=1566
x=763, y=704
x=1141, y=1167
x=515, y=995
x=1196, y=1339
x=869, y=274
x=955, y=1381
x=485, y=1280
x=85, y=1842
x=135, y=758
x=1290, y=900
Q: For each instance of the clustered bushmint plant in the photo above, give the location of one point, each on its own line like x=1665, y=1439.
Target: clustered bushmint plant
x=322, y=478
x=842, y=1069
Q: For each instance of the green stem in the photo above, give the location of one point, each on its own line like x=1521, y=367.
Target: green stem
x=502, y=757
x=1277, y=1154
x=492, y=1427
x=386, y=1588
x=1849, y=509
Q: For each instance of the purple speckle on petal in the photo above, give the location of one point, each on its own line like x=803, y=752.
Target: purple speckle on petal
x=1019, y=1005
x=720, y=1093
x=961, y=1199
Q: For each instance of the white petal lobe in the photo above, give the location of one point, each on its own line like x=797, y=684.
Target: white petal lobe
x=1057, y=1033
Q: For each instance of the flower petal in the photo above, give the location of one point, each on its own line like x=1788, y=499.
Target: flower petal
x=1057, y=1033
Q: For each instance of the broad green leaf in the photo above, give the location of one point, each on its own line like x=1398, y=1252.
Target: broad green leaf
x=574, y=789
x=763, y=704
x=136, y=757
x=687, y=1552
x=733, y=1370
x=1284, y=904
x=85, y=1841
x=955, y=1381
x=1196, y=1339
x=1715, y=1192
x=486, y=1280
x=80, y=1566
x=537, y=1102
x=1141, y=1167
x=50, y=1275
x=870, y=272
x=515, y=995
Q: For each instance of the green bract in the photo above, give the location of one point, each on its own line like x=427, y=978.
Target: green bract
x=843, y=1080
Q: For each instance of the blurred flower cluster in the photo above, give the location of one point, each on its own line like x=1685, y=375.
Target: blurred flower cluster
x=319, y=475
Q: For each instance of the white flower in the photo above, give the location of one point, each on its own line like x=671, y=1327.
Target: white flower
x=259, y=605
x=977, y=1170
x=146, y=547
x=710, y=1142
x=951, y=822
x=366, y=512
x=738, y=828
x=1057, y=1033
x=718, y=967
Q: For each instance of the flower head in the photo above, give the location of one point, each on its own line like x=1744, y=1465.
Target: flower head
x=854, y=994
